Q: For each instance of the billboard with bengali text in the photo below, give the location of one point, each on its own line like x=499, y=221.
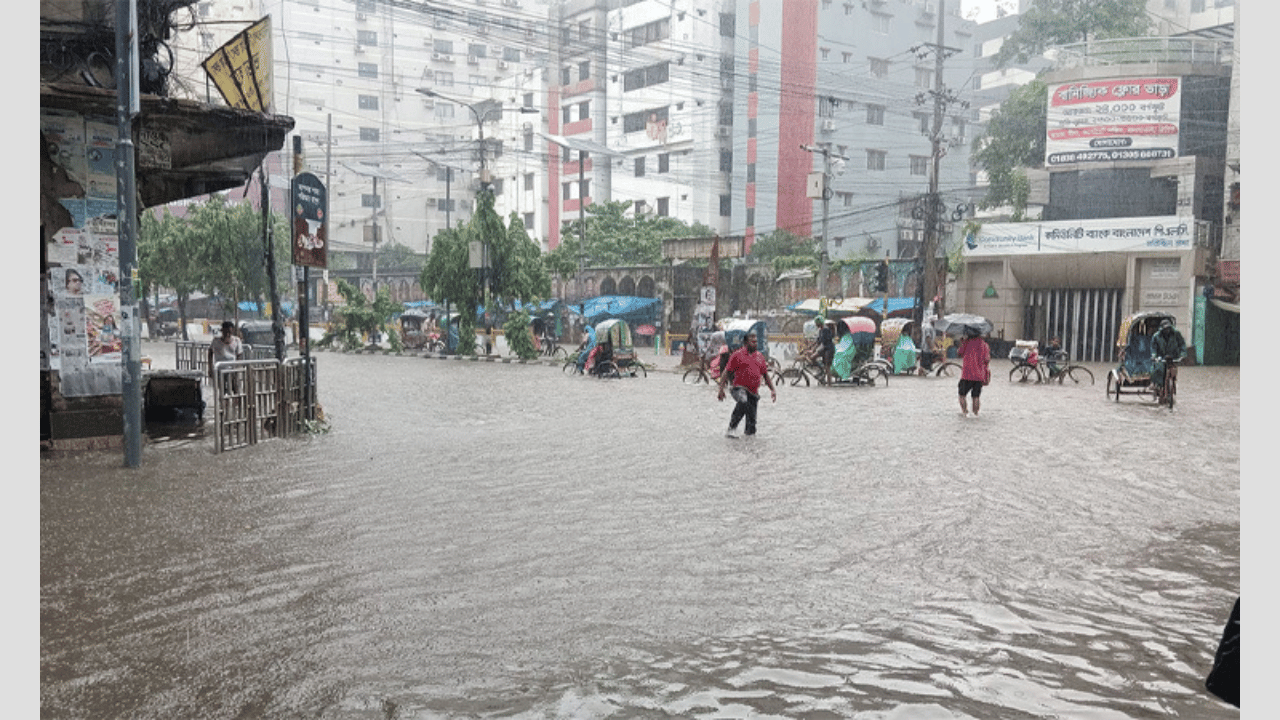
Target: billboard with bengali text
x=1113, y=120
x=241, y=69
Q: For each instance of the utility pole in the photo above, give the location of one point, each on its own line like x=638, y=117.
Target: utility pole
x=823, y=257
x=128, y=105
x=934, y=208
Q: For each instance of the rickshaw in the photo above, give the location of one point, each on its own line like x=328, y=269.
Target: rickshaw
x=413, y=329
x=855, y=352
x=896, y=346
x=614, y=355
x=1133, y=375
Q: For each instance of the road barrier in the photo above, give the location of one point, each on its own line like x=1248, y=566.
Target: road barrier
x=254, y=400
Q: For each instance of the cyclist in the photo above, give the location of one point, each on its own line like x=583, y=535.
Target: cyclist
x=1167, y=348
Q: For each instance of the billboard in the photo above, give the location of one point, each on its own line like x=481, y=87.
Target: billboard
x=1110, y=120
x=241, y=69
x=1137, y=234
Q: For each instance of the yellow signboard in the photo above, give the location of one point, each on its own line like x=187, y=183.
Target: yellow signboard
x=241, y=69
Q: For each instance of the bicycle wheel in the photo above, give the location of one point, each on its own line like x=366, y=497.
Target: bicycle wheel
x=872, y=373
x=570, y=367
x=795, y=375
x=694, y=376
x=559, y=352
x=1172, y=390
x=607, y=370
x=948, y=369
x=638, y=370
x=1078, y=374
x=1023, y=373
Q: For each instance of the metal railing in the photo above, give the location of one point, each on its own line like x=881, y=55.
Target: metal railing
x=194, y=355
x=1122, y=51
x=254, y=400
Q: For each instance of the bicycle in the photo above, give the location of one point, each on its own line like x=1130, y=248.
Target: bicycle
x=1166, y=393
x=1059, y=366
x=698, y=374
x=1025, y=372
x=549, y=346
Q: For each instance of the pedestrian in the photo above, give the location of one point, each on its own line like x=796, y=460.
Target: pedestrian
x=826, y=341
x=747, y=366
x=225, y=347
x=975, y=369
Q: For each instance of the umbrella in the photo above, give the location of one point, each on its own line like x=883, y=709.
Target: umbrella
x=956, y=323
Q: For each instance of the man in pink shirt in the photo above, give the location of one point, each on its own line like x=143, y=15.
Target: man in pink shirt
x=747, y=367
x=974, y=371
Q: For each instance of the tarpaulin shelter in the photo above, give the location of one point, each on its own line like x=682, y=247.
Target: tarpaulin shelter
x=634, y=310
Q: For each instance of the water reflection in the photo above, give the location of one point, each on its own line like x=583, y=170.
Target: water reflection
x=475, y=540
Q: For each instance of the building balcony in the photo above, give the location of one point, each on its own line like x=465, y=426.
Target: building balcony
x=1140, y=50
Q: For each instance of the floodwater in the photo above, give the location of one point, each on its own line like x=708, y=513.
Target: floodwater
x=480, y=540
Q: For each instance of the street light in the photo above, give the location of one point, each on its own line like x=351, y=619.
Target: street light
x=485, y=185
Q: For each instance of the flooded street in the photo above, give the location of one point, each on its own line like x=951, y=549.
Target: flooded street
x=475, y=540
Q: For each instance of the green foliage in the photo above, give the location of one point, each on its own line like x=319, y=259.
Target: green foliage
x=1014, y=140
x=784, y=251
x=359, y=318
x=394, y=256
x=1061, y=22
x=516, y=330
x=615, y=239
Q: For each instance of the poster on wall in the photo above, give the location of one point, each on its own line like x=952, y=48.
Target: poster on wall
x=1111, y=120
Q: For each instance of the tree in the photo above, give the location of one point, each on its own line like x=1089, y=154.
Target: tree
x=447, y=277
x=784, y=251
x=230, y=253
x=166, y=249
x=615, y=239
x=1061, y=22
x=1014, y=140
x=394, y=256
x=359, y=318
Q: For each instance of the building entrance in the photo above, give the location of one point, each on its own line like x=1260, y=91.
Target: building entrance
x=1085, y=320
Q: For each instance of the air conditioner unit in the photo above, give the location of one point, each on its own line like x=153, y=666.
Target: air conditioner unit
x=473, y=59
x=528, y=127
x=502, y=64
x=439, y=57
x=873, y=243
x=828, y=125
x=361, y=16
x=725, y=131
x=511, y=3
x=928, y=9
x=359, y=49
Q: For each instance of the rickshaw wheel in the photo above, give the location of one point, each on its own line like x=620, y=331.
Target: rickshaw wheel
x=607, y=369
x=559, y=352
x=1113, y=386
x=1024, y=373
x=638, y=370
x=1078, y=373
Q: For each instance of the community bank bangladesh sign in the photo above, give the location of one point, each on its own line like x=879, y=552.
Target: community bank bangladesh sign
x=1144, y=234
x=1112, y=120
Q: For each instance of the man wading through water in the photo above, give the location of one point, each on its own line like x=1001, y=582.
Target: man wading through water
x=747, y=367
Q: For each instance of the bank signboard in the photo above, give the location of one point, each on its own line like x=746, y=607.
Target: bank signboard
x=1111, y=120
x=1138, y=234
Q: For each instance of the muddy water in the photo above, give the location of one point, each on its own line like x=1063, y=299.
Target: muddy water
x=482, y=540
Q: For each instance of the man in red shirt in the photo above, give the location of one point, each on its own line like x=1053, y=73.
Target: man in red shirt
x=974, y=371
x=747, y=367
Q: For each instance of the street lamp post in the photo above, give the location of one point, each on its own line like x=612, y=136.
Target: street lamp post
x=485, y=185
x=823, y=270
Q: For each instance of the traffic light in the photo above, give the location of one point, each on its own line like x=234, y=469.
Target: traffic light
x=881, y=283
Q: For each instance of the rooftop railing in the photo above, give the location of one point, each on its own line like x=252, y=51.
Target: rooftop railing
x=1125, y=51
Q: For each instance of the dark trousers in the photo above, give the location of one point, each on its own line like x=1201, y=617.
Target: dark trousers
x=745, y=408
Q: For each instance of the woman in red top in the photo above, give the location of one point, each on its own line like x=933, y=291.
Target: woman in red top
x=974, y=371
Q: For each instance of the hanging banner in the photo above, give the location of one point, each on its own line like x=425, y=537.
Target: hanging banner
x=310, y=203
x=1111, y=120
x=241, y=69
x=704, y=314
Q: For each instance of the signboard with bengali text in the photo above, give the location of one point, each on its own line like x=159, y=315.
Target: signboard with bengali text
x=1136, y=234
x=241, y=69
x=1113, y=120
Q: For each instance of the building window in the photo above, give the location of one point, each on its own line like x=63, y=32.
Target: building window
x=924, y=78
x=726, y=206
x=584, y=31
x=640, y=167
x=922, y=122
x=875, y=114
x=846, y=57
x=369, y=70
x=827, y=106
x=639, y=208
x=726, y=161
x=444, y=111
x=370, y=134
x=367, y=37
x=879, y=67
x=567, y=191
x=584, y=189
x=664, y=162
x=444, y=78
x=528, y=142
x=370, y=200
x=584, y=110
x=477, y=50
x=566, y=155
x=646, y=76
x=664, y=207
x=826, y=52
x=566, y=114
x=566, y=75
x=919, y=164
x=368, y=102
x=584, y=70
x=510, y=54
x=875, y=159
x=837, y=241
x=528, y=100
x=727, y=21
x=1197, y=6
x=528, y=220
x=528, y=181
x=751, y=217
x=880, y=23
x=726, y=114
x=444, y=47
x=751, y=172
x=638, y=121
x=650, y=32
